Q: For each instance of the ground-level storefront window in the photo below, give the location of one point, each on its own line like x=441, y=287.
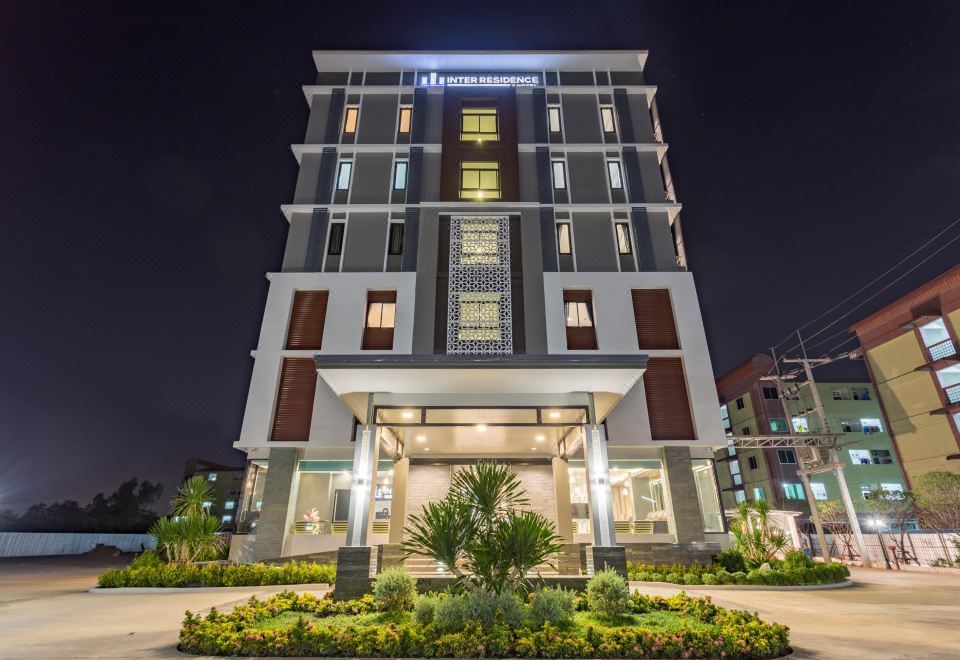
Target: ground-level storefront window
x=637, y=494
x=251, y=501
x=323, y=497
x=707, y=495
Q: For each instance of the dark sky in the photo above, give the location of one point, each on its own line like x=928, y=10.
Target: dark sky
x=145, y=153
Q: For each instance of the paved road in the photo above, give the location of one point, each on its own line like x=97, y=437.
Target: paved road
x=46, y=612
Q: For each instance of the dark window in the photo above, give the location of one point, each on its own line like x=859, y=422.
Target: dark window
x=881, y=456
x=752, y=462
x=770, y=393
x=335, y=246
x=395, y=241
x=745, y=430
x=861, y=394
x=786, y=456
x=740, y=403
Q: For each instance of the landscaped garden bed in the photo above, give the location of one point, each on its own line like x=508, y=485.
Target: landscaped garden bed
x=796, y=570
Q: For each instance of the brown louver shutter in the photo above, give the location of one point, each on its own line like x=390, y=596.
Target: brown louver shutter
x=298, y=384
x=306, y=320
x=667, y=402
x=653, y=314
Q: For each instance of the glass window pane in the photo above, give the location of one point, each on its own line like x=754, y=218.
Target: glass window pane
x=606, y=115
x=623, y=238
x=388, y=314
x=553, y=113
x=571, y=314
x=400, y=176
x=395, y=246
x=707, y=494
x=563, y=239
x=471, y=123
x=350, y=121
x=336, y=239
x=471, y=179
x=488, y=180
x=404, y=125
x=583, y=311
x=613, y=167
x=374, y=313
x=559, y=175
x=488, y=124
x=343, y=177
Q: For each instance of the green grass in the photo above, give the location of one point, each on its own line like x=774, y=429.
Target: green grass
x=665, y=621
x=289, y=619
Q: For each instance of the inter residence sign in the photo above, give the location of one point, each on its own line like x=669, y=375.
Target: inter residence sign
x=494, y=79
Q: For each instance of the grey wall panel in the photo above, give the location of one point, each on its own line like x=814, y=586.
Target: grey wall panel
x=651, y=177
x=411, y=239
x=317, y=124
x=295, y=254
x=622, y=104
x=548, y=240
x=415, y=176
x=631, y=167
x=316, y=242
x=640, y=115
x=333, y=117
x=378, y=119
x=528, y=177
x=581, y=119
x=426, y=291
x=371, y=179
x=587, y=178
x=654, y=240
x=431, y=177
x=366, y=242
x=544, y=176
x=433, y=133
x=593, y=243
x=419, y=127
x=525, y=132
x=540, y=116
x=306, y=190
x=328, y=166
x=534, y=312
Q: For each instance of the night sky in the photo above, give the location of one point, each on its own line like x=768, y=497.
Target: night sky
x=145, y=154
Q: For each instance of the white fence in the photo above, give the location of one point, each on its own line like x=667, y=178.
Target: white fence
x=36, y=544
x=921, y=548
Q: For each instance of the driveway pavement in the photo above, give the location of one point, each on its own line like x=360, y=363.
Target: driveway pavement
x=46, y=612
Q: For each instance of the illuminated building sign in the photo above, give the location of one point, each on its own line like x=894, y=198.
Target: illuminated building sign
x=435, y=79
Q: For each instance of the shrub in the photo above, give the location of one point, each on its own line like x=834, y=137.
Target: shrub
x=608, y=594
x=489, y=609
x=656, y=577
x=674, y=578
x=693, y=578
x=739, y=577
x=731, y=560
x=552, y=605
x=641, y=576
x=449, y=613
x=711, y=579
x=147, y=572
x=797, y=559
x=424, y=609
x=756, y=576
x=394, y=590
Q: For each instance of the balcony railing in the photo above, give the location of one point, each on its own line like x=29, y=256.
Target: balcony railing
x=943, y=349
x=953, y=393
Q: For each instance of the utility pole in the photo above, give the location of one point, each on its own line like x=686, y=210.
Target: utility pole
x=835, y=463
x=811, y=500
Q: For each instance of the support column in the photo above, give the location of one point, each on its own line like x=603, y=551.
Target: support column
x=851, y=512
x=685, y=513
x=366, y=448
x=598, y=476
x=272, y=526
x=815, y=516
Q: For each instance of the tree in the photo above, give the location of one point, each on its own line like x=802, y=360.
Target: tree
x=895, y=511
x=833, y=516
x=937, y=495
x=479, y=532
x=756, y=537
x=190, y=534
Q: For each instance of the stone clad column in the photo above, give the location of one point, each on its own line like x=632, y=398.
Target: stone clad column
x=365, y=451
x=272, y=526
x=686, y=518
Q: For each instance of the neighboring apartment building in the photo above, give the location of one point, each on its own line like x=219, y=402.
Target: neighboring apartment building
x=751, y=406
x=910, y=348
x=227, y=484
x=484, y=261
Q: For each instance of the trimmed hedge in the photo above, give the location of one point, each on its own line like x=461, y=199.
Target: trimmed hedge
x=714, y=632
x=160, y=574
x=793, y=572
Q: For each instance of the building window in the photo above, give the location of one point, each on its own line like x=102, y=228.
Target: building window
x=578, y=308
x=229, y=506
x=335, y=244
x=819, y=490
x=861, y=394
x=395, y=239
x=892, y=489
x=778, y=425
x=841, y=394
x=936, y=339
x=793, y=491
x=403, y=122
x=227, y=519
x=608, y=119
x=739, y=402
x=758, y=493
x=745, y=430
x=950, y=382
x=880, y=456
x=479, y=317
x=559, y=174
x=212, y=476
x=564, y=241
x=725, y=418
x=478, y=124
x=786, y=456
x=871, y=425
x=344, y=172
x=206, y=504
x=850, y=427
x=739, y=496
x=623, y=238
x=859, y=457
x=350, y=119
x=615, y=174
x=480, y=180
x=400, y=175
x=800, y=425
x=770, y=393
x=752, y=462
x=553, y=119
x=381, y=318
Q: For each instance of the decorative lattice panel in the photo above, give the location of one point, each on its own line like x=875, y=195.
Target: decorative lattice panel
x=479, y=316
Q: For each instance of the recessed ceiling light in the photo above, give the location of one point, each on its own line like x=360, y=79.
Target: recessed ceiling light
x=539, y=438
x=554, y=414
x=421, y=438
x=481, y=427
x=426, y=449
x=408, y=414
x=533, y=449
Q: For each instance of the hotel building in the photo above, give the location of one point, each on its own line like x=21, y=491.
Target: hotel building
x=484, y=261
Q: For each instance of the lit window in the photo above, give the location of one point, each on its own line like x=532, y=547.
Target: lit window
x=395, y=239
x=381, y=314
x=553, y=118
x=800, y=425
x=793, y=491
x=480, y=317
x=480, y=180
x=564, y=242
x=227, y=519
x=478, y=124
x=350, y=119
x=871, y=425
x=212, y=476
x=344, y=171
x=229, y=506
x=758, y=493
x=935, y=332
x=559, y=175
x=786, y=456
x=860, y=456
x=403, y=123
x=778, y=425
x=623, y=238
x=892, y=489
x=819, y=490
x=616, y=177
x=579, y=314
x=335, y=245
x=607, y=119
x=400, y=175
x=740, y=496
x=207, y=504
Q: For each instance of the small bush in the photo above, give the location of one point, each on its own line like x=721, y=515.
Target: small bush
x=656, y=577
x=693, y=578
x=449, y=613
x=756, y=577
x=394, y=590
x=552, y=605
x=424, y=609
x=147, y=559
x=640, y=576
x=489, y=610
x=731, y=560
x=795, y=559
x=711, y=579
x=739, y=577
x=608, y=594
x=673, y=578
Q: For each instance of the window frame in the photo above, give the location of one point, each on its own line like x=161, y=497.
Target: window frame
x=791, y=454
x=479, y=135
x=569, y=227
x=391, y=226
x=554, y=162
x=551, y=108
x=619, y=168
x=617, y=226
x=582, y=308
x=341, y=164
x=408, y=111
x=380, y=307
x=613, y=119
x=353, y=109
x=397, y=164
x=341, y=239
x=479, y=193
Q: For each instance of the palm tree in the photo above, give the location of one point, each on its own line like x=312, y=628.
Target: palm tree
x=757, y=538
x=190, y=534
